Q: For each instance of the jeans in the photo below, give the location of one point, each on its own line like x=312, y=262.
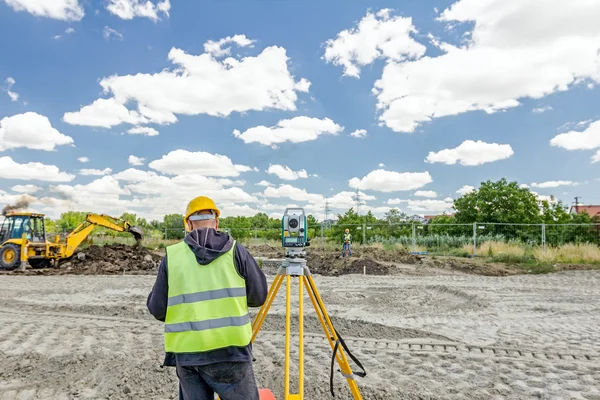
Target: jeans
x=346, y=246
x=230, y=380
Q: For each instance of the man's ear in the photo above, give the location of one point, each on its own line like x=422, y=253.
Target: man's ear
x=217, y=223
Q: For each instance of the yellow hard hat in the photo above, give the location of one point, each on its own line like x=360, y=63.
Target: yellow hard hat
x=201, y=203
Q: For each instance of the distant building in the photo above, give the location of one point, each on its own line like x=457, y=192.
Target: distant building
x=428, y=218
x=593, y=211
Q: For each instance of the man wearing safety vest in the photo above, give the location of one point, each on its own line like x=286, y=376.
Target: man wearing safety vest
x=347, y=243
x=202, y=292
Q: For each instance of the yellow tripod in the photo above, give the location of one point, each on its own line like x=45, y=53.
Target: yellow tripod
x=296, y=267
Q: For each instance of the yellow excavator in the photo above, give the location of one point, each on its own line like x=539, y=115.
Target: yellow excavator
x=23, y=239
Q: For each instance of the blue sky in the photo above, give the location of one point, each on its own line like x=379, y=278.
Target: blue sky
x=450, y=94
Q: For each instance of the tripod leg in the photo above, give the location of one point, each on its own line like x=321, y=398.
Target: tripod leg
x=329, y=330
x=301, y=339
x=286, y=388
x=262, y=313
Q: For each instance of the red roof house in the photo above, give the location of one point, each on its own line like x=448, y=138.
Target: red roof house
x=591, y=210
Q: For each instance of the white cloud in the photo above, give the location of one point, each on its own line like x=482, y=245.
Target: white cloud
x=426, y=205
x=359, y=133
x=291, y=192
x=381, y=165
x=28, y=189
x=179, y=162
x=216, y=49
x=346, y=199
x=9, y=84
x=554, y=184
x=83, y=159
x=390, y=181
x=426, y=193
x=143, y=130
x=466, y=189
x=585, y=140
x=135, y=175
x=134, y=160
x=67, y=10
x=524, y=186
x=542, y=109
x=430, y=205
x=97, y=172
x=518, y=49
x=198, y=85
x=295, y=130
x=286, y=173
x=107, y=32
x=104, y=113
x=10, y=169
x=129, y=9
x=30, y=130
x=264, y=183
x=69, y=30
x=396, y=201
x=376, y=36
x=596, y=157
x=472, y=153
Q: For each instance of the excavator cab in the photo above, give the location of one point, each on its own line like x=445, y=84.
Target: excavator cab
x=17, y=224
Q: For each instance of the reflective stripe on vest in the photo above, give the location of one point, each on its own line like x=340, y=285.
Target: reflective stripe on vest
x=347, y=237
x=207, y=306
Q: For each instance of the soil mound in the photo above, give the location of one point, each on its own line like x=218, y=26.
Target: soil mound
x=330, y=264
x=111, y=259
x=397, y=255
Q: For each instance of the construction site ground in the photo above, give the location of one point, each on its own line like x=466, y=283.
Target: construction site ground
x=422, y=330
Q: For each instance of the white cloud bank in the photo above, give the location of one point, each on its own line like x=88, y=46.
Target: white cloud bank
x=472, y=153
x=129, y=9
x=10, y=169
x=67, y=10
x=180, y=162
x=32, y=131
x=466, y=189
x=295, y=130
x=376, y=36
x=391, y=181
x=359, y=133
x=517, y=49
x=286, y=173
x=553, y=184
x=197, y=85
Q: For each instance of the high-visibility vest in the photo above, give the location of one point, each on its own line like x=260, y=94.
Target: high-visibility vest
x=347, y=237
x=207, y=307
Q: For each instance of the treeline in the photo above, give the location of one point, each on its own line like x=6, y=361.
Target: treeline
x=503, y=209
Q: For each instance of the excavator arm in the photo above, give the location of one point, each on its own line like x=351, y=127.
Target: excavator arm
x=79, y=234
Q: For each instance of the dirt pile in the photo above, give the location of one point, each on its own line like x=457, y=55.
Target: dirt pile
x=396, y=255
x=111, y=259
x=330, y=264
x=265, y=250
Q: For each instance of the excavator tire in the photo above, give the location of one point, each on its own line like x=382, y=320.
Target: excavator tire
x=39, y=263
x=10, y=256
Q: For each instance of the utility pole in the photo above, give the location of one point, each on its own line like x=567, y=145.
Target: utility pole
x=327, y=210
x=577, y=204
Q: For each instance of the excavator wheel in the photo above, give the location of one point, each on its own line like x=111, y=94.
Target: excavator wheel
x=10, y=256
x=39, y=263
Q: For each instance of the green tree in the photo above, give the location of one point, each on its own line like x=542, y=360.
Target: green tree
x=70, y=220
x=498, y=202
x=173, y=224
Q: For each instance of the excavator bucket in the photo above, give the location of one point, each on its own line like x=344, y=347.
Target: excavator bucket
x=137, y=232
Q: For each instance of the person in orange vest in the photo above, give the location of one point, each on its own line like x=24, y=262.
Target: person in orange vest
x=202, y=292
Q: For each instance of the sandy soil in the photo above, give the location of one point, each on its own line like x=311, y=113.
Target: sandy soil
x=427, y=335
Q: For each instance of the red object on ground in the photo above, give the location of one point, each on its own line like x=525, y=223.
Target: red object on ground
x=266, y=394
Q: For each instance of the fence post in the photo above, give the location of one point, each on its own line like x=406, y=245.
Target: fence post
x=414, y=238
x=364, y=229
x=474, y=239
x=543, y=238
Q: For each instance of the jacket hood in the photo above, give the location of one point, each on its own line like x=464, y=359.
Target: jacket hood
x=208, y=244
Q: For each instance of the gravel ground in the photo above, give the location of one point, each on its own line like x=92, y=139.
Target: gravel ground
x=438, y=335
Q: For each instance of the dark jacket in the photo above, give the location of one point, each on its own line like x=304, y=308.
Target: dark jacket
x=207, y=245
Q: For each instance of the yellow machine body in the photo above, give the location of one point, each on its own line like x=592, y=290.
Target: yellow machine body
x=27, y=242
